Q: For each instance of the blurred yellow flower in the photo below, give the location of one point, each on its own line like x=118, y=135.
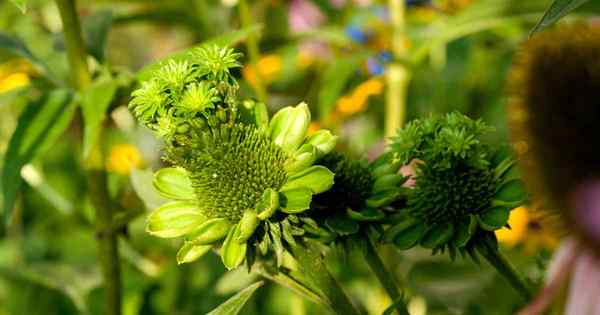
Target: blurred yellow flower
x=269, y=67
x=14, y=74
x=529, y=229
x=122, y=158
x=305, y=59
x=358, y=99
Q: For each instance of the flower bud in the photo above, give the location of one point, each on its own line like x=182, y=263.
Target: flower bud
x=288, y=127
x=323, y=140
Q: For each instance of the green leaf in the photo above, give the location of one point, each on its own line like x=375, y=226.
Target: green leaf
x=342, y=225
x=494, y=218
x=228, y=39
x=95, y=101
x=317, y=178
x=410, y=236
x=95, y=32
x=174, y=219
x=210, y=231
x=39, y=126
x=557, y=10
x=21, y=5
x=438, y=236
x=334, y=80
x=295, y=200
x=233, y=252
x=235, y=304
x=190, y=252
x=173, y=183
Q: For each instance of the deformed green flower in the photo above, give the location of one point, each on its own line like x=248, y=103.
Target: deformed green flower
x=198, y=98
x=217, y=61
x=244, y=184
x=464, y=190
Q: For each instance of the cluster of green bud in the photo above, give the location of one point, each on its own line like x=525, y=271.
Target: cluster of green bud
x=464, y=189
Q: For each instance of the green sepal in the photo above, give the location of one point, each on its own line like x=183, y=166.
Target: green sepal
x=190, y=252
x=392, y=232
x=385, y=169
x=323, y=140
x=410, y=236
x=303, y=158
x=210, y=231
x=233, y=252
x=367, y=214
x=318, y=178
x=342, y=225
x=264, y=244
x=512, y=191
x=248, y=225
x=255, y=113
x=437, y=235
x=386, y=182
x=288, y=127
x=465, y=231
x=174, y=219
x=295, y=200
x=383, y=198
x=268, y=204
x=173, y=183
x=494, y=218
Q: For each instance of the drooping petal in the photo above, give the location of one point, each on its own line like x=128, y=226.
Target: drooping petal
x=248, y=224
x=323, y=140
x=210, y=231
x=317, y=178
x=304, y=157
x=437, y=235
x=494, y=218
x=190, y=252
x=268, y=204
x=233, y=252
x=173, y=183
x=295, y=200
x=174, y=219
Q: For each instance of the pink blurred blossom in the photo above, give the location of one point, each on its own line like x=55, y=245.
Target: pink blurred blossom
x=304, y=15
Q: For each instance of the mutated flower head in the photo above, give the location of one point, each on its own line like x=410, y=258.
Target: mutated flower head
x=553, y=114
x=464, y=190
x=358, y=200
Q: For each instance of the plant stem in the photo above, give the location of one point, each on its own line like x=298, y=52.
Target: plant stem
x=505, y=268
x=96, y=177
x=397, y=74
x=313, y=267
x=253, y=50
x=384, y=276
x=76, y=54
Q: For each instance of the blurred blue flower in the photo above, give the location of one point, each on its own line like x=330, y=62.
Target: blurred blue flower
x=374, y=66
x=356, y=34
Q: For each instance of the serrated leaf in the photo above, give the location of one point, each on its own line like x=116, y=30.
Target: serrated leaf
x=39, y=126
x=234, y=305
x=95, y=101
x=557, y=10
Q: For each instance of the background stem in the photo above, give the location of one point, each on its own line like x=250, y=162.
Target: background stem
x=253, y=50
x=76, y=54
x=313, y=267
x=384, y=276
x=397, y=74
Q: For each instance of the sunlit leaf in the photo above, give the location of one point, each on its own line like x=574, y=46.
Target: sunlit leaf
x=39, y=126
x=234, y=305
x=21, y=5
x=95, y=101
x=557, y=10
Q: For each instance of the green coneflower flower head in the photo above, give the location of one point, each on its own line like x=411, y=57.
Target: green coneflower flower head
x=358, y=199
x=464, y=190
x=244, y=183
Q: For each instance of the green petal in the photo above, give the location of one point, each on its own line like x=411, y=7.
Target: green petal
x=409, y=237
x=304, y=157
x=386, y=182
x=323, y=140
x=174, y=219
x=438, y=235
x=268, y=204
x=367, y=214
x=173, y=183
x=295, y=200
x=317, y=178
x=392, y=232
x=512, y=191
x=383, y=198
x=210, y=231
x=288, y=127
x=232, y=252
x=342, y=225
x=190, y=252
x=494, y=218
x=248, y=225
x=465, y=231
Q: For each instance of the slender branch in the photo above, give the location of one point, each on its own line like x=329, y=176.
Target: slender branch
x=76, y=54
x=313, y=267
x=384, y=276
x=397, y=74
x=253, y=50
x=505, y=268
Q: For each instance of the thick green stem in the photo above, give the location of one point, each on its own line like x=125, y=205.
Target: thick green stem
x=397, y=74
x=313, y=267
x=505, y=268
x=253, y=50
x=385, y=277
x=76, y=54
